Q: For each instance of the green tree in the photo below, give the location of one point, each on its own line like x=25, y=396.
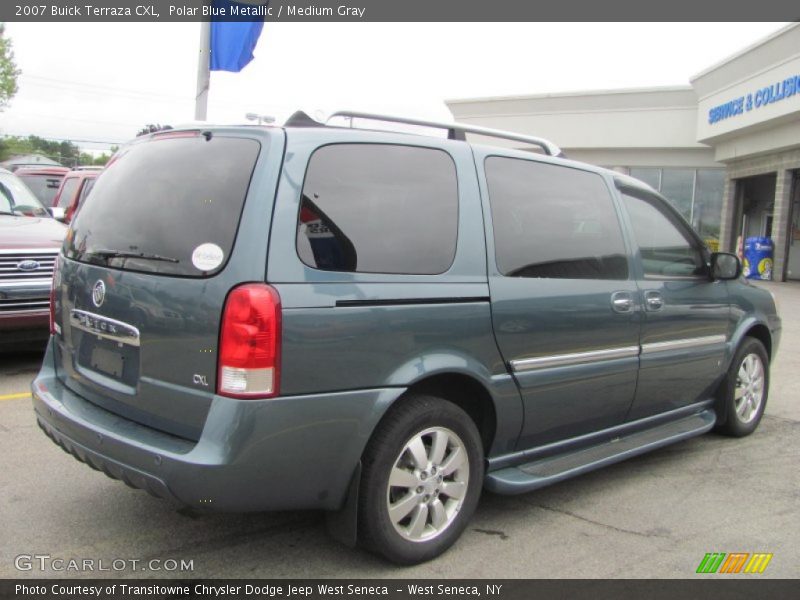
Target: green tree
x=102, y=159
x=152, y=128
x=14, y=146
x=8, y=69
x=65, y=152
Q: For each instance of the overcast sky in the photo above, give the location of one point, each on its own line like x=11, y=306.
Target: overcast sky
x=104, y=81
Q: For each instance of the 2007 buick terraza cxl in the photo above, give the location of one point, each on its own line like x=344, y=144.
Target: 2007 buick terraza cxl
x=380, y=324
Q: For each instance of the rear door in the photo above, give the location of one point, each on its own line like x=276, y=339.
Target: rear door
x=378, y=257
x=563, y=301
x=147, y=265
x=685, y=328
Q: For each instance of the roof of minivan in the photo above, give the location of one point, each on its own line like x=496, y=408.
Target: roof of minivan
x=302, y=121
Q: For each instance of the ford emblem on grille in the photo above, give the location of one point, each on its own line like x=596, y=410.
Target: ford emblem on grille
x=28, y=265
x=99, y=293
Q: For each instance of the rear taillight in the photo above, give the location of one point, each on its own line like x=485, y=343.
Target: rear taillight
x=56, y=281
x=250, y=343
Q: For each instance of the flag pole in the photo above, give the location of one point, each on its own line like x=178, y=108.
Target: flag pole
x=203, y=73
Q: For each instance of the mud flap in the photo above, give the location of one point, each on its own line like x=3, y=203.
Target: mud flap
x=342, y=524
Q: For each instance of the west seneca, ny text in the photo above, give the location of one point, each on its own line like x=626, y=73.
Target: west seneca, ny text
x=270, y=590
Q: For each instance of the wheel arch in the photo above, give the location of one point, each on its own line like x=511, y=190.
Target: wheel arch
x=754, y=328
x=762, y=334
x=461, y=388
x=468, y=394
x=484, y=389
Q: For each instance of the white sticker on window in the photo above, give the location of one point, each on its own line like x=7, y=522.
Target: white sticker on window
x=207, y=257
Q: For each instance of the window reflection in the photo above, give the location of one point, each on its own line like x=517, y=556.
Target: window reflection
x=331, y=248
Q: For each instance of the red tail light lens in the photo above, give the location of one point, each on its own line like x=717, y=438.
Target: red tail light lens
x=250, y=343
x=56, y=282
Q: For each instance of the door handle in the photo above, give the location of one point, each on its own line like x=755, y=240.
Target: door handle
x=622, y=302
x=653, y=300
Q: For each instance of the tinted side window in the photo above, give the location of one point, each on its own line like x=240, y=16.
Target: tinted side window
x=552, y=221
x=88, y=184
x=667, y=248
x=67, y=191
x=373, y=208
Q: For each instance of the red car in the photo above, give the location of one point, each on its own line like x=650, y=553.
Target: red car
x=29, y=243
x=76, y=186
x=43, y=181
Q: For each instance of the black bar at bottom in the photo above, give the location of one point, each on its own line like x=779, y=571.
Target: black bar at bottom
x=708, y=587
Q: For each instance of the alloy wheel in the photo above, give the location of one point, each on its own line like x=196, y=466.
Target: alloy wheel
x=428, y=484
x=749, y=391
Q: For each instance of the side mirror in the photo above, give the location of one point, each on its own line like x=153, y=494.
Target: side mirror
x=57, y=212
x=725, y=266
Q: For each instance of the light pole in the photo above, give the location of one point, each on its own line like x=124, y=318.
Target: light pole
x=260, y=118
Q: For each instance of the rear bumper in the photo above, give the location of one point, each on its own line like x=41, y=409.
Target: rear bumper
x=284, y=453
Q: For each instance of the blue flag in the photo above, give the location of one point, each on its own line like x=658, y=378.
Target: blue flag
x=234, y=36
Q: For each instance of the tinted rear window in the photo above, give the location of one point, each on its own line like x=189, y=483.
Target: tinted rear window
x=374, y=208
x=169, y=206
x=44, y=186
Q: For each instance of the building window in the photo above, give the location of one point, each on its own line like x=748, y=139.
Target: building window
x=678, y=185
x=695, y=193
x=708, y=205
x=651, y=177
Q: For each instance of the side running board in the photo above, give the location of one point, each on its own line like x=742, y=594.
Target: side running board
x=543, y=472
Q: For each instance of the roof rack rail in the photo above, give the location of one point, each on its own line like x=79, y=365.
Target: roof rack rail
x=456, y=131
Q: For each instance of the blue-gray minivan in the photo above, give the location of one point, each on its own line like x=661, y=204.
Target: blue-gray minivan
x=380, y=324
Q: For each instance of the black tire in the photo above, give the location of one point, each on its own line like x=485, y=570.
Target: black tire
x=730, y=422
x=406, y=420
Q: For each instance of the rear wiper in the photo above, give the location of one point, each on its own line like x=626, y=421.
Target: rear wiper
x=10, y=214
x=118, y=254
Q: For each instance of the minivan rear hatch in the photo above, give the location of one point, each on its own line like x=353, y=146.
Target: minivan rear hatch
x=141, y=291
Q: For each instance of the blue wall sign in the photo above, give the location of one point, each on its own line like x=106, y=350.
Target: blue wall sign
x=761, y=97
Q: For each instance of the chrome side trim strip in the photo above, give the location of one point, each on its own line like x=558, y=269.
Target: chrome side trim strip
x=708, y=340
x=103, y=327
x=577, y=358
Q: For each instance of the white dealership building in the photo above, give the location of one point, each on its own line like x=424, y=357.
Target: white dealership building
x=725, y=150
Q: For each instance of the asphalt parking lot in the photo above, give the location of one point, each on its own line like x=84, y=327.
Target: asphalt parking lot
x=653, y=516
